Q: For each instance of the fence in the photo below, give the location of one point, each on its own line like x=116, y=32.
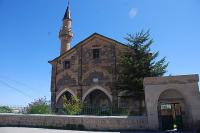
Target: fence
x=107, y=111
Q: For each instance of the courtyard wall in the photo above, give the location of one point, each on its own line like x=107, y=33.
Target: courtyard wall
x=75, y=122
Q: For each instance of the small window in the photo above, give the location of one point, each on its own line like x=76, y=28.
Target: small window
x=96, y=53
x=66, y=64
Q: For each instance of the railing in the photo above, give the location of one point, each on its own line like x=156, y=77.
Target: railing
x=107, y=111
x=86, y=110
x=104, y=111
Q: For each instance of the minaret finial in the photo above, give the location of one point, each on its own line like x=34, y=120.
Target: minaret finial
x=68, y=3
x=67, y=13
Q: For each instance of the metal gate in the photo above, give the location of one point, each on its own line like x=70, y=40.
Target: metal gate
x=170, y=116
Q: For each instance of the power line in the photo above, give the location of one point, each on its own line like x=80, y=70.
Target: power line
x=13, y=88
x=19, y=83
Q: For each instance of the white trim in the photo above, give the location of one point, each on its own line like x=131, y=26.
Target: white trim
x=62, y=92
x=97, y=88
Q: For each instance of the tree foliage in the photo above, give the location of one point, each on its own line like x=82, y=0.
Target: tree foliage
x=139, y=62
x=5, y=109
x=39, y=106
x=72, y=106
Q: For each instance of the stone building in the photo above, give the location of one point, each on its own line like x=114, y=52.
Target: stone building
x=88, y=70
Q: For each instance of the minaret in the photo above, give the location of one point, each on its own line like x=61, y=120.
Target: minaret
x=66, y=33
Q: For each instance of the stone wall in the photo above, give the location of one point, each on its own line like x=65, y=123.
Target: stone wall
x=76, y=122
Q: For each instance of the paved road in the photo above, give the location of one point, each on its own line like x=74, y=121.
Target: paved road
x=40, y=130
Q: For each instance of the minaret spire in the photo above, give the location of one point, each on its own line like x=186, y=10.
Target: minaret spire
x=66, y=33
x=68, y=12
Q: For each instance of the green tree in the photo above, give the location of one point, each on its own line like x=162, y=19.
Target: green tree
x=5, y=109
x=139, y=62
x=72, y=106
x=39, y=106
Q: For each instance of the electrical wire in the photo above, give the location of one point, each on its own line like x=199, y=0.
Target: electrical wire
x=15, y=89
x=19, y=83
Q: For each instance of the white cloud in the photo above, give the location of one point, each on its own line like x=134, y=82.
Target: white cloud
x=133, y=12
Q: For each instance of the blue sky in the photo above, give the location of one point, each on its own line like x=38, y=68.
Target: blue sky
x=29, y=37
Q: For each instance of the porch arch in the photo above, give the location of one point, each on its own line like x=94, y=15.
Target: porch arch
x=62, y=92
x=97, y=88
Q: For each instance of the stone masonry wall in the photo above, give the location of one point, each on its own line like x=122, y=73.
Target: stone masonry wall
x=84, y=69
x=186, y=85
x=83, y=122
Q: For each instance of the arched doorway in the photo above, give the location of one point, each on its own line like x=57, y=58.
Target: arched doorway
x=97, y=102
x=97, y=98
x=59, y=104
x=171, y=110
